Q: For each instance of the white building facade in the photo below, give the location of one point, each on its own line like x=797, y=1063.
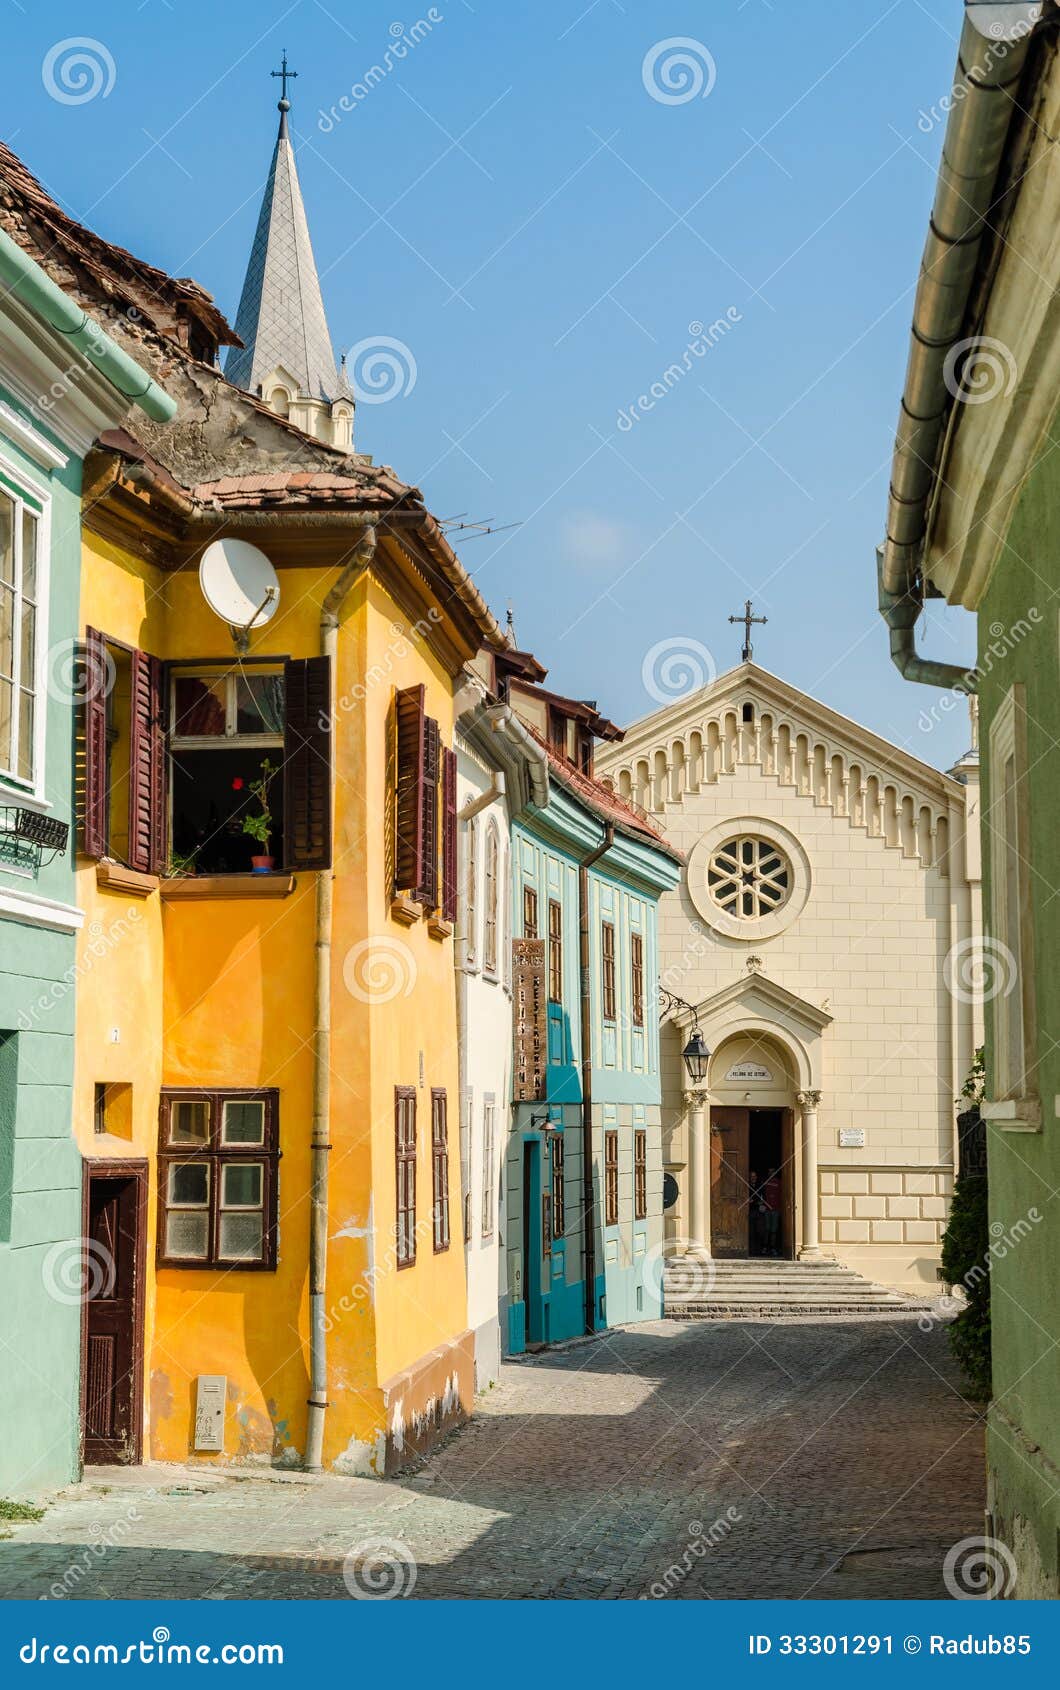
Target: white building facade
x=499, y=769
x=826, y=941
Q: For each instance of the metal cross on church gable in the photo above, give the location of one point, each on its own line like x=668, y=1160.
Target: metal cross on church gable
x=747, y=619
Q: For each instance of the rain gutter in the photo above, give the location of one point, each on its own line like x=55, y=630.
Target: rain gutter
x=994, y=44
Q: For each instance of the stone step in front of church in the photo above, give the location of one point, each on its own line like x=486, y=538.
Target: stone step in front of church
x=699, y=1288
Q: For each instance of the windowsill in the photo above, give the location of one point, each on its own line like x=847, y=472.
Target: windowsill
x=190, y=887
x=22, y=797
x=438, y=928
x=115, y=877
x=1014, y=1114
x=405, y=910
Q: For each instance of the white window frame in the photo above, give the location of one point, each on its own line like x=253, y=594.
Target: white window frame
x=1016, y=1105
x=216, y=742
x=471, y=900
x=24, y=490
x=491, y=900
x=489, y=1147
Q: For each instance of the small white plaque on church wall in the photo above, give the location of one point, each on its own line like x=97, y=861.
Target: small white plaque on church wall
x=210, y=1411
x=852, y=1138
x=749, y=1071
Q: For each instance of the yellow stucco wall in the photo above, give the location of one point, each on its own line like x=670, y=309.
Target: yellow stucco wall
x=221, y=993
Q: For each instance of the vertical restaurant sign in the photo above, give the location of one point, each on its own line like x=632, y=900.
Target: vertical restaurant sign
x=531, y=1019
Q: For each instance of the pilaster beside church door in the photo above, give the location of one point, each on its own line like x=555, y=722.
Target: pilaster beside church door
x=729, y=1186
x=787, y=1185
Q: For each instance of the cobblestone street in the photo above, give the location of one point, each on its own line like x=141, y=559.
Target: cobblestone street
x=703, y=1460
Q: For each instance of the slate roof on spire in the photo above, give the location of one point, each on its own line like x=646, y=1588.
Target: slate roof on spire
x=281, y=313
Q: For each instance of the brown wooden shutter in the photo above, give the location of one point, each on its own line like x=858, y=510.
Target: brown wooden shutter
x=147, y=765
x=408, y=823
x=449, y=869
x=307, y=763
x=93, y=752
x=159, y=817
x=427, y=892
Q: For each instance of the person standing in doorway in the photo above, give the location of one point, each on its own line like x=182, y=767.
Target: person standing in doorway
x=770, y=1194
x=756, y=1217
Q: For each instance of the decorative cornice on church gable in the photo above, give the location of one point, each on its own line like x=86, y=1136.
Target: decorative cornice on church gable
x=699, y=740
x=758, y=991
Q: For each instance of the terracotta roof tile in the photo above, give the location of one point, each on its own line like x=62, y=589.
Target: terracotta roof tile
x=603, y=800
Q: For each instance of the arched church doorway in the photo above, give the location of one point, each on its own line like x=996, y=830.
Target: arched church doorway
x=752, y=1150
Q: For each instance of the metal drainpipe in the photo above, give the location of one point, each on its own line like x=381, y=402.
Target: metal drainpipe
x=588, y=1194
x=990, y=63
x=900, y=611
x=359, y=560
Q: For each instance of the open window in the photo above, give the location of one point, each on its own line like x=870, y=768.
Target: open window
x=226, y=733
x=175, y=760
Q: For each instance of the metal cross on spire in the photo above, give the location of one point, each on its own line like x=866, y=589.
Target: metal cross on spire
x=285, y=76
x=747, y=619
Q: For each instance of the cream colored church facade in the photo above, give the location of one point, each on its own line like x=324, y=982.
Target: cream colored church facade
x=825, y=938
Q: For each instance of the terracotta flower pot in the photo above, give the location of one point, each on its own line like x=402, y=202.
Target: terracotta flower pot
x=262, y=865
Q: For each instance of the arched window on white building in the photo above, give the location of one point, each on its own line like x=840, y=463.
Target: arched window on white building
x=471, y=896
x=492, y=888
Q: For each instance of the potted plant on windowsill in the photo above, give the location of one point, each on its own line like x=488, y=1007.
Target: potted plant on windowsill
x=258, y=824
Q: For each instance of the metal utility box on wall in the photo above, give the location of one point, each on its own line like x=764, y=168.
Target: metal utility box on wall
x=210, y=1411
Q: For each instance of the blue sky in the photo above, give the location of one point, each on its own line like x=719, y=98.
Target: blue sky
x=513, y=204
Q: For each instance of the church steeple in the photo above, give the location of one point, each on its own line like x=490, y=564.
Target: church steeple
x=287, y=356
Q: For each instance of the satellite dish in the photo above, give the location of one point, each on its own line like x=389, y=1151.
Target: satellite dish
x=240, y=586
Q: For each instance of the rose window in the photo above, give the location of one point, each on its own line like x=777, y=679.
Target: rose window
x=748, y=877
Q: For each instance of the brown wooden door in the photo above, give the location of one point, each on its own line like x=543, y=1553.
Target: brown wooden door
x=113, y=1314
x=729, y=1192
x=787, y=1185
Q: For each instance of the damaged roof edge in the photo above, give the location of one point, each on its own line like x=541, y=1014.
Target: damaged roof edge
x=26, y=281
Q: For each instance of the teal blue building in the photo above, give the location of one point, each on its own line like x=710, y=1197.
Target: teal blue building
x=583, y=1202
x=62, y=381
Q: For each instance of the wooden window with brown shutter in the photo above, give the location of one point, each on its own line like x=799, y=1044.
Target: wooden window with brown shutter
x=449, y=851
x=607, y=964
x=307, y=753
x=611, y=1179
x=440, y=1167
x=418, y=770
x=636, y=977
x=555, y=951
x=147, y=765
x=640, y=1174
x=405, y=1169
x=529, y=913
x=427, y=892
x=408, y=843
x=92, y=773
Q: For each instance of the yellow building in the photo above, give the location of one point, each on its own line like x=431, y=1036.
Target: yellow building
x=266, y=1057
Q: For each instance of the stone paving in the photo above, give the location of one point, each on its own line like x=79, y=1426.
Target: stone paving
x=807, y=1458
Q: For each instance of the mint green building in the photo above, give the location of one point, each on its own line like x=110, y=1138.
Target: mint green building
x=974, y=516
x=62, y=381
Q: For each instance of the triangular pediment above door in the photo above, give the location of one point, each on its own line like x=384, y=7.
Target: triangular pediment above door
x=764, y=999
